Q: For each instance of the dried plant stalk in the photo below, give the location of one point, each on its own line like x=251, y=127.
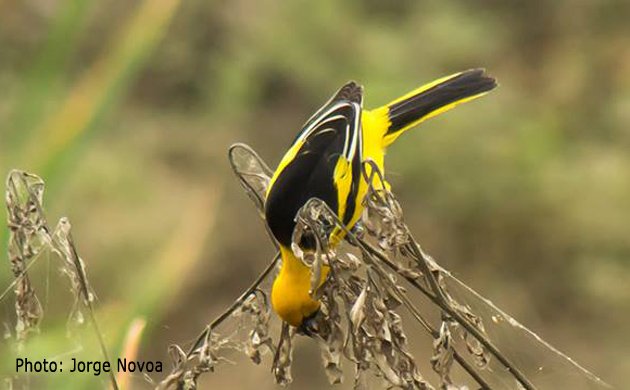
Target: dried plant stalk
x=29, y=236
x=359, y=319
x=27, y=239
x=258, y=338
x=281, y=367
x=377, y=337
x=371, y=334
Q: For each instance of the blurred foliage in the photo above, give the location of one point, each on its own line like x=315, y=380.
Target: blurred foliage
x=126, y=109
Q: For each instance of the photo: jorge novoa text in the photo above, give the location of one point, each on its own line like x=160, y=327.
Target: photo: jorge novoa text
x=78, y=366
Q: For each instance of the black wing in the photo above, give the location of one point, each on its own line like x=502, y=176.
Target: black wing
x=332, y=134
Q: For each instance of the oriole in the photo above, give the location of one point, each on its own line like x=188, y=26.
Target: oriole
x=324, y=161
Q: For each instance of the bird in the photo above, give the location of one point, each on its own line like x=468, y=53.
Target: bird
x=325, y=160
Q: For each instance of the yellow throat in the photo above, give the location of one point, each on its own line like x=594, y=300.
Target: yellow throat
x=290, y=291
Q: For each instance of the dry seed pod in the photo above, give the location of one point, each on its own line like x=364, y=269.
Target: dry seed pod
x=281, y=367
x=442, y=359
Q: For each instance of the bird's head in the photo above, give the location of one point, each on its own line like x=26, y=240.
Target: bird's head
x=312, y=325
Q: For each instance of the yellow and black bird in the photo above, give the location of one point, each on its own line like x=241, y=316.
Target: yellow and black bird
x=324, y=162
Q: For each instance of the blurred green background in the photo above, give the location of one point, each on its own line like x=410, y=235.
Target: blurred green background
x=126, y=109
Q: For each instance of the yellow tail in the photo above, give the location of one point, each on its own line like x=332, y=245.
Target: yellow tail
x=432, y=99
